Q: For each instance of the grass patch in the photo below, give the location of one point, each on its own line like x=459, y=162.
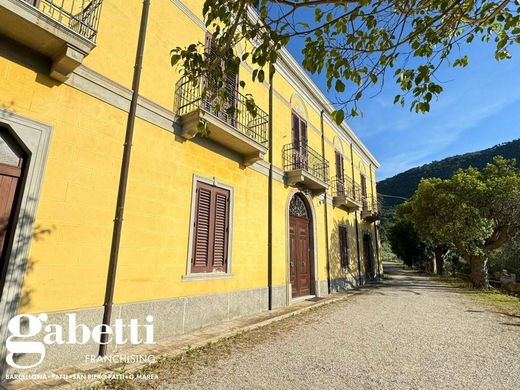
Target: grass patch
x=503, y=303
x=494, y=299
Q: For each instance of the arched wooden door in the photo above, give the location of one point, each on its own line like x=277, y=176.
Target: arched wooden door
x=300, y=247
x=11, y=162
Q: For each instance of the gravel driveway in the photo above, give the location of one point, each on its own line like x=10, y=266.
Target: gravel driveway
x=408, y=333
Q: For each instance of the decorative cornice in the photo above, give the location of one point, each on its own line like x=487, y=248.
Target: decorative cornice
x=301, y=81
x=189, y=13
x=296, y=75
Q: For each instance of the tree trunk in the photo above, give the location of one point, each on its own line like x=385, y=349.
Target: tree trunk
x=439, y=260
x=479, y=272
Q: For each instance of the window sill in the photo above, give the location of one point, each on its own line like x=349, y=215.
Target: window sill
x=206, y=276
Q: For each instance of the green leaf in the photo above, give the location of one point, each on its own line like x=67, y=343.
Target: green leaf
x=340, y=86
x=462, y=62
x=338, y=116
x=261, y=75
x=175, y=58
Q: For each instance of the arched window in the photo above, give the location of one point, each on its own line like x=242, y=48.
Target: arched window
x=297, y=207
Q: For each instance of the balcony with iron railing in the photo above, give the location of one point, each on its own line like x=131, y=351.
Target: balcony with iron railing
x=371, y=207
x=346, y=194
x=304, y=166
x=64, y=31
x=237, y=128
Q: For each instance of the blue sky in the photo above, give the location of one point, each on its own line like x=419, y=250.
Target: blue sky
x=479, y=108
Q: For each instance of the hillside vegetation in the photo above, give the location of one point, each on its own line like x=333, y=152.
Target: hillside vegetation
x=401, y=238
x=404, y=184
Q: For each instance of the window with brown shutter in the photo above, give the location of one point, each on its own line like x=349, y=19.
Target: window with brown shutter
x=210, y=229
x=364, y=191
x=339, y=165
x=339, y=173
x=343, y=246
x=299, y=140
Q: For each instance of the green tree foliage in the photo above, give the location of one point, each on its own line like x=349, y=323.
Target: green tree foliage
x=405, y=184
x=475, y=211
x=406, y=244
x=357, y=44
x=506, y=258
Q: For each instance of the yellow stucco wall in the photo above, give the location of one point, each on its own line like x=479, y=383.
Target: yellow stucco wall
x=69, y=256
x=76, y=207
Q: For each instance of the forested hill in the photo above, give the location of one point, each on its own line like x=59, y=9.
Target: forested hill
x=404, y=184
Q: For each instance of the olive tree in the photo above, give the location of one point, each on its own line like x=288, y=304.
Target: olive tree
x=475, y=211
x=356, y=44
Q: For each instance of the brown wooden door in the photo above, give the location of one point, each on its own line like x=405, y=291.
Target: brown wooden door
x=10, y=172
x=300, y=256
x=367, y=255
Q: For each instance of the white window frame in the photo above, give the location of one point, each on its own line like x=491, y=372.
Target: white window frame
x=194, y=276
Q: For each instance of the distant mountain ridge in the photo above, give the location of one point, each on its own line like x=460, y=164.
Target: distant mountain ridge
x=404, y=184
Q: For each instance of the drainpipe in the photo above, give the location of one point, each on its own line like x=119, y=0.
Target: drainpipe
x=326, y=212
x=123, y=180
x=270, y=199
x=355, y=214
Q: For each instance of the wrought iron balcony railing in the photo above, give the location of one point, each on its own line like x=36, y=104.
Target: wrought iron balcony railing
x=303, y=157
x=370, y=204
x=81, y=16
x=344, y=186
x=188, y=98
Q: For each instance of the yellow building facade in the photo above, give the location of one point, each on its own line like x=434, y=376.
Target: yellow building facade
x=258, y=214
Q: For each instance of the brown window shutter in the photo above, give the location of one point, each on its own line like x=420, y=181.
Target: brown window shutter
x=34, y=3
x=208, y=47
x=211, y=229
x=339, y=165
x=202, y=239
x=221, y=230
x=343, y=246
x=299, y=139
x=303, y=127
x=364, y=192
x=230, y=84
x=363, y=185
x=208, y=83
x=207, y=42
x=295, y=130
